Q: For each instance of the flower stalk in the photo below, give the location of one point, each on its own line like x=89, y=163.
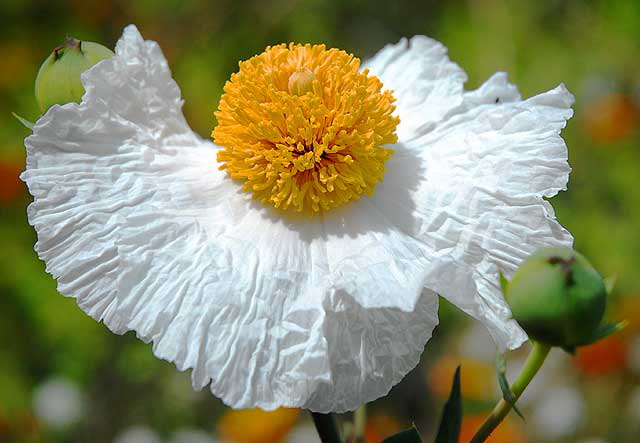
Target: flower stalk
x=359, y=424
x=327, y=427
x=531, y=367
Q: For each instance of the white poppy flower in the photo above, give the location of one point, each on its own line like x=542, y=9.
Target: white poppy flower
x=137, y=222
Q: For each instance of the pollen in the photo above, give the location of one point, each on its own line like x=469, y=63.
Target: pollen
x=304, y=129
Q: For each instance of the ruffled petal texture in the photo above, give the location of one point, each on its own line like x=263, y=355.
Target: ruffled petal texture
x=489, y=167
x=137, y=223
x=486, y=161
x=426, y=84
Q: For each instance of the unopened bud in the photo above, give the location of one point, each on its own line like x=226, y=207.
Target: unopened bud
x=558, y=298
x=58, y=80
x=301, y=81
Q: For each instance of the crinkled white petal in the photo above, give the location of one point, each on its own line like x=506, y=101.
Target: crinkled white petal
x=426, y=84
x=485, y=160
x=487, y=167
x=137, y=223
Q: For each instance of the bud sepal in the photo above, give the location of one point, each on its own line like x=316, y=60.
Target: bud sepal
x=26, y=123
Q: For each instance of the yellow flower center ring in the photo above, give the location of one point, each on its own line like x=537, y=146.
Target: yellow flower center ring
x=304, y=129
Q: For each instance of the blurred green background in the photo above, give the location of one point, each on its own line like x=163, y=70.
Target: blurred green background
x=65, y=378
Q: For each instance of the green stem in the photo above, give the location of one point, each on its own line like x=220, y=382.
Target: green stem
x=327, y=427
x=359, y=424
x=532, y=365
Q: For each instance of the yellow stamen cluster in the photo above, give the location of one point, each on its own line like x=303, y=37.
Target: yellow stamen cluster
x=304, y=129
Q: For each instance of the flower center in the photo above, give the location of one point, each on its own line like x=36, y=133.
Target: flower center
x=303, y=128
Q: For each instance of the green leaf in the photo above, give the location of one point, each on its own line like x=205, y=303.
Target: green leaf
x=27, y=124
x=451, y=421
x=603, y=331
x=501, y=368
x=504, y=284
x=407, y=436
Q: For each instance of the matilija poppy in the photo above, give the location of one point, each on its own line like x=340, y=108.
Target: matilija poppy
x=297, y=263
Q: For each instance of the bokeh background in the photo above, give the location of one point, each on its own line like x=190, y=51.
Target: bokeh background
x=65, y=378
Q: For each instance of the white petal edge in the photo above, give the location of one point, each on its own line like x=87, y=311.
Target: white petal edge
x=426, y=84
x=486, y=166
x=137, y=224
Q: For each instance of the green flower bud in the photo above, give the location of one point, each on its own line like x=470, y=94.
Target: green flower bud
x=58, y=80
x=558, y=298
